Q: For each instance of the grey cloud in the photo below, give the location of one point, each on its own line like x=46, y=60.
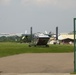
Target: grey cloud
x=65, y=4
x=5, y=2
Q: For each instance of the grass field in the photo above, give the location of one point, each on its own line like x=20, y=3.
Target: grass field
x=8, y=48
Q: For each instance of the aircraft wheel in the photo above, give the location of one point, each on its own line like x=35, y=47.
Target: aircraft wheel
x=29, y=45
x=47, y=45
x=35, y=45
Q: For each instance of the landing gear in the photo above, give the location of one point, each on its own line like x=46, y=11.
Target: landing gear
x=47, y=45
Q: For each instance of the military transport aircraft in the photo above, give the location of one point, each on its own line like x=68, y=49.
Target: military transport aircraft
x=39, y=39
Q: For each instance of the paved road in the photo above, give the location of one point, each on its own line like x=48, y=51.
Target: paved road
x=37, y=74
x=38, y=63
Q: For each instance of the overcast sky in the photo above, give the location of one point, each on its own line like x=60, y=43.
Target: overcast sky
x=16, y=16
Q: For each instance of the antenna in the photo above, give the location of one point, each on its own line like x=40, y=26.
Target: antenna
x=56, y=33
x=31, y=32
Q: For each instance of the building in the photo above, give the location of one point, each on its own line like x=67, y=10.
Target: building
x=66, y=38
x=62, y=39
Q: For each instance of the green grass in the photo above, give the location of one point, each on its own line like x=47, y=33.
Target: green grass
x=73, y=73
x=8, y=48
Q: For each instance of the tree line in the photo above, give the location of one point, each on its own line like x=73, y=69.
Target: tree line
x=21, y=39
